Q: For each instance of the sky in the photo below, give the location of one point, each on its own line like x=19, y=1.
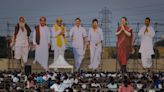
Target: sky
x=134, y=10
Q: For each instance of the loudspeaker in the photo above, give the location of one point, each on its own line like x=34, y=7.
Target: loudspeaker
x=27, y=69
x=3, y=47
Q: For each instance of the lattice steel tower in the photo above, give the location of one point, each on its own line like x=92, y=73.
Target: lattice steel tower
x=106, y=24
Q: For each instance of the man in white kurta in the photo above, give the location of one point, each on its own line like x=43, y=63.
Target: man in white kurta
x=78, y=35
x=58, y=45
x=20, y=41
x=41, y=51
x=146, y=34
x=95, y=38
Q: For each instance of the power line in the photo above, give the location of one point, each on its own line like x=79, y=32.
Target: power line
x=138, y=7
x=53, y=15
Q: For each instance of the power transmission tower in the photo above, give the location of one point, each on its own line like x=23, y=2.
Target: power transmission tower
x=106, y=24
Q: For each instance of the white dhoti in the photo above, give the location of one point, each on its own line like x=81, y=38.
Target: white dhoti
x=41, y=56
x=21, y=52
x=57, y=52
x=95, y=53
x=41, y=51
x=21, y=47
x=78, y=56
x=146, y=60
x=60, y=63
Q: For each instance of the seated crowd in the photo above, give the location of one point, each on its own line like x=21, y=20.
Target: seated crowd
x=81, y=82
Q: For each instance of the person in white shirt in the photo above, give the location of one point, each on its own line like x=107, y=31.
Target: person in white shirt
x=95, y=38
x=146, y=33
x=15, y=79
x=67, y=82
x=41, y=41
x=58, y=86
x=78, y=38
x=46, y=76
x=20, y=41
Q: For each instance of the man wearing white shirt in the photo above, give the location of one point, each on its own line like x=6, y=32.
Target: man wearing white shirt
x=146, y=34
x=67, y=82
x=95, y=38
x=58, y=86
x=78, y=37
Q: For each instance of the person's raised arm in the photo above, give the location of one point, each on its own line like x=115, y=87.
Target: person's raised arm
x=127, y=33
x=151, y=32
x=119, y=30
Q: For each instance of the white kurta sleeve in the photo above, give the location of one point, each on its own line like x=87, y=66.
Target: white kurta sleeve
x=34, y=37
x=49, y=35
x=151, y=33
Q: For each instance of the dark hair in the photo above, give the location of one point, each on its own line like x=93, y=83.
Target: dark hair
x=58, y=80
x=125, y=83
x=141, y=90
x=94, y=20
x=147, y=18
x=42, y=18
x=78, y=19
x=125, y=18
x=21, y=17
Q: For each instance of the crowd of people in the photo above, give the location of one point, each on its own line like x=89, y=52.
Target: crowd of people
x=15, y=81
